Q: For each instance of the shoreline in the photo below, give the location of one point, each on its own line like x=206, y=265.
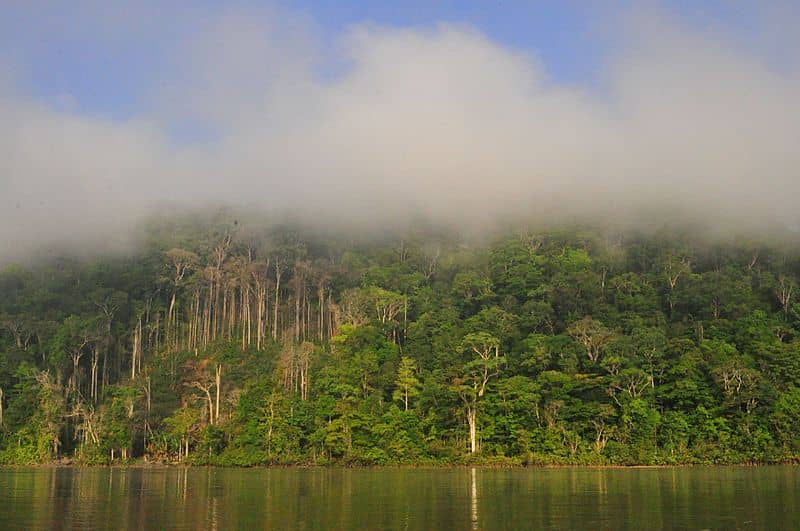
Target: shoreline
x=428, y=466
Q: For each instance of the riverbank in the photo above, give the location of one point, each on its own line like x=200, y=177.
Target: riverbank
x=143, y=464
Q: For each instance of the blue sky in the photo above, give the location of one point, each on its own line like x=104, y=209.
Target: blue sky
x=107, y=57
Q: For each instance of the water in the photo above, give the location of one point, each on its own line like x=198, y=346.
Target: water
x=214, y=498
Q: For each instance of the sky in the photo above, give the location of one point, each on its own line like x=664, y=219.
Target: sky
x=456, y=110
x=104, y=58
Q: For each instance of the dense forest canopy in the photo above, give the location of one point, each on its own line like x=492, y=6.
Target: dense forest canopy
x=233, y=342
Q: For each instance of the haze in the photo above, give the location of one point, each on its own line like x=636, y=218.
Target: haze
x=255, y=106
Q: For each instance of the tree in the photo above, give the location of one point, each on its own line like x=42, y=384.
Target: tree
x=471, y=383
x=109, y=303
x=785, y=414
x=593, y=335
x=73, y=338
x=407, y=382
x=674, y=265
x=362, y=305
x=180, y=262
x=16, y=326
x=784, y=290
x=199, y=377
x=180, y=428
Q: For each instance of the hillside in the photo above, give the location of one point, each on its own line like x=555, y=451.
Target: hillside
x=223, y=343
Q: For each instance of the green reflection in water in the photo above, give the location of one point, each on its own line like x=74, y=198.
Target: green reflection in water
x=214, y=498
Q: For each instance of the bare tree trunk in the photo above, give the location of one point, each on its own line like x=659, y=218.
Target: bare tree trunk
x=170, y=316
x=190, y=337
x=243, y=315
x=245, y=311
x=95, y=361
x=321, y=320
x=158, y=331
x=104, y=376
x=784, y=294
x=190, y=326
x=473, y=428
x=278, y=273
x=297, y=316
x=330, y=314
x=305, y=382
x=137, y=347
x=225, y=319
x=210, y=405
x=259, y=315
x=74, y=384
x=303, y=373
x=233, y=314
x=207, y=311
x=307, y=320
x=195, y=338
x=266, y=311
x=215, y=311
x=405, y=317
x=219, y=386
x=304, y=331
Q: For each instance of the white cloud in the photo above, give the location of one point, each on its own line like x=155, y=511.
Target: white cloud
x=440, y=121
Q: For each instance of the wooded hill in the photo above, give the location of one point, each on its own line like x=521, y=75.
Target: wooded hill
x=241, y=343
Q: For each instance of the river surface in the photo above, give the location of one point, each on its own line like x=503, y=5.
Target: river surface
x=387, y=498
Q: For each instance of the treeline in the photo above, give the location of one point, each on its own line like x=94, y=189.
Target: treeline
x=232, y=343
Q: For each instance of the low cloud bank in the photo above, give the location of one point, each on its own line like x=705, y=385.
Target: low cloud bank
x=440, y=122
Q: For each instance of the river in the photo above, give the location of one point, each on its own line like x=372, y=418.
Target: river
x=402, y=498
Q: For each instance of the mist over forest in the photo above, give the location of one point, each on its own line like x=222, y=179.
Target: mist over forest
x=397, y=244
x=375, y=125
x=230, y=339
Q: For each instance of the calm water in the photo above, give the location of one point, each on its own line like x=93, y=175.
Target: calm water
x=682, y=498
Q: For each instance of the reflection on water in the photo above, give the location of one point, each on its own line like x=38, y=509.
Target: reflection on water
x=474, y=498
x=473, y=491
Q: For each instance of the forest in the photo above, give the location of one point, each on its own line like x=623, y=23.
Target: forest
x=237, y=342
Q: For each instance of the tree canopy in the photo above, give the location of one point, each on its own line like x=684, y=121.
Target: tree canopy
x=245, y=344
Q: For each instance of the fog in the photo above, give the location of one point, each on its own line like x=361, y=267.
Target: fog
x=386, y=124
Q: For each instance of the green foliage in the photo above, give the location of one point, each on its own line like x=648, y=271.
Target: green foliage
x=407, y=385
x=232, y=343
